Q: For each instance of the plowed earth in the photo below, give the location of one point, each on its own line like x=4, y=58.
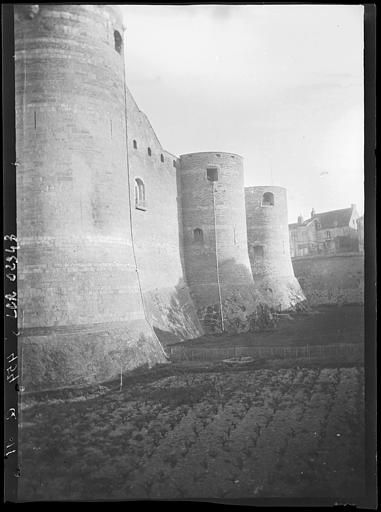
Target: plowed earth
x=290, y=432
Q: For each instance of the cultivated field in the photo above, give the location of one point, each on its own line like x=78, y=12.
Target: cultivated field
x=206, y=431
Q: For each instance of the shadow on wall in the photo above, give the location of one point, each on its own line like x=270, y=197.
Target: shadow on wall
x=172, y=313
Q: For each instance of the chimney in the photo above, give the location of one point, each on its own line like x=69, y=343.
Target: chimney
x=313, y=213
x=300, y=219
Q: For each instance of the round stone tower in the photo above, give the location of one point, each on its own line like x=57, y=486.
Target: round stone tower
x=269, y=248
x=81, y=315
x=216, y=261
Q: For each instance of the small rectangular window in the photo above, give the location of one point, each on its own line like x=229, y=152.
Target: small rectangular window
x=258, y=251
x=198, y=235
x=212, y=174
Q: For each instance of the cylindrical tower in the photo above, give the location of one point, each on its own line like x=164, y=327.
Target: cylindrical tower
x=216, y=261
x=80, y=308
x=269, y=248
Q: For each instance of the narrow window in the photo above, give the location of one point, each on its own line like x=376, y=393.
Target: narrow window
x=140, y=195
x=135, y=144
x=149, y=151
x=174, y=163
x=212, y=173
x=268, y=199
x=162, y=158
x=198, y=235
x=328, y=234
x=118, y=41
x=258, y=251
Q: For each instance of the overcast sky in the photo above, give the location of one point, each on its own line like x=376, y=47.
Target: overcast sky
x=280, y=85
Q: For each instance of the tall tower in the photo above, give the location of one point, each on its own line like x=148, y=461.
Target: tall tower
x=81, y=313
x=216, y=261
x=269, y=247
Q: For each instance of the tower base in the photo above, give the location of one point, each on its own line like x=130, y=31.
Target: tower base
x=280, y=295
x=57, y=357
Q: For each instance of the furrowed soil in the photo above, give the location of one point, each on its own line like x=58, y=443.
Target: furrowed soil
x=201, y=431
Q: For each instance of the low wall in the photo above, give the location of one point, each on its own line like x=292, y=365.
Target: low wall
x=337, y=279
x=341, y=351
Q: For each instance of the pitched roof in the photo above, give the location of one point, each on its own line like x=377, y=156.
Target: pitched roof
x=332, y=219
x=335, y=218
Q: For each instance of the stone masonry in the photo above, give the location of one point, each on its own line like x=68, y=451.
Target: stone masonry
x=123, y=245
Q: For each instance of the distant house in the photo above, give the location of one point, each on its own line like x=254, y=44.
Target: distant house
x=360, y=231
x=325, y=233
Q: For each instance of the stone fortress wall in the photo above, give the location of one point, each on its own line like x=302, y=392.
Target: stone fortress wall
x=123, y=246
x=331, y=279
x=217, y=265
x=80, y=309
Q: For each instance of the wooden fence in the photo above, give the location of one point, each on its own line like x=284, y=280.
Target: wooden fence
x=183, y=353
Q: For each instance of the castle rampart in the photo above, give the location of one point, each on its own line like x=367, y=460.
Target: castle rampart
x=123, y=244
x=216, y=261
x=269, y=247
x=156, y=230
x=331, y=279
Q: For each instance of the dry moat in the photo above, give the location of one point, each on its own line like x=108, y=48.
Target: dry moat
x=290, y=428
